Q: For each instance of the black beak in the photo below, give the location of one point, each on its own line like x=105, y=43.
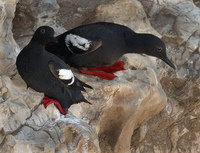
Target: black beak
x=166, y=60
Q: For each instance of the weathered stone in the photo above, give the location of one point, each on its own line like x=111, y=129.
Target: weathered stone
x=9, y=48
x=65, y=134
x=197, y=65
x=184, y=28
x=193, y=43
x=14, y=110
x=164, y=133
x=164, y=2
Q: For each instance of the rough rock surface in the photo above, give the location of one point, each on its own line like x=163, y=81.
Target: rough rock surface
x=127, y=113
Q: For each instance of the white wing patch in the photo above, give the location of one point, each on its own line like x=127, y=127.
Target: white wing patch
x=65, y=74
x=78, y=42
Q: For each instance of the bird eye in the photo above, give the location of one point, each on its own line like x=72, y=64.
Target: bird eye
x=42, y=31
x=159, y=49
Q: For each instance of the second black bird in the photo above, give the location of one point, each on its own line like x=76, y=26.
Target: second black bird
x=102, y=44
x=45, y=72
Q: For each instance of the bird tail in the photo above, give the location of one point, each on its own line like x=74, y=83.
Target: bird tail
x=84, y=84
x=86, y=101
x=77, y=97
x=80, y=85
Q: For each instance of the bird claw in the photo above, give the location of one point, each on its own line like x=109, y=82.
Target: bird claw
x=118, y=66
x=47, y=101
x=108, y=71
x=103, y=75
x=107, y=76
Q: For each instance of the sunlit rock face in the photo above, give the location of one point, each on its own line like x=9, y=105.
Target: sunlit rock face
x=147, y=108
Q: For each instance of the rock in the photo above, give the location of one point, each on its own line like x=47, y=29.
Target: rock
x=13, y=109
x=65, y=134
x=163, y=133
x=164, y=2
x=9, y=48
x=197, y=65
x=126, y=12
x=16, y=107
x=184, y=28
x=193, y=43
x=186, y=19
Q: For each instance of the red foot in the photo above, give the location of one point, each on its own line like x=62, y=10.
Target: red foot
x=118, y=66
x=103, y=75
x=47, y=101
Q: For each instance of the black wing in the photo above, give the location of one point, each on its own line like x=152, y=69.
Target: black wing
x=79, y=45
x=65, y=75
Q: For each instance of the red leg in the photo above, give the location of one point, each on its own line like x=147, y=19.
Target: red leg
x=47, y=101
x=103, y=75
x=118, y=66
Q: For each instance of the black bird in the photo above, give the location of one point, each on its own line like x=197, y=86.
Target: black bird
x=45, y=72
x=101, y=44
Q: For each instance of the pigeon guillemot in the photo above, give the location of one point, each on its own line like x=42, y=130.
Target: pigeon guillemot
x=45, y=72
x=102, y=44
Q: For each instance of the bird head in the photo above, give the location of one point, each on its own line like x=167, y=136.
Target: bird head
x=154, y=46
x=44, y=35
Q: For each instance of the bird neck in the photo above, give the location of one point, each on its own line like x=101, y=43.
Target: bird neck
x=38, y=47
x=136, y=43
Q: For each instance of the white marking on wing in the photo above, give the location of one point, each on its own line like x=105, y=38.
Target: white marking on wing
x=77, y=41
x=65, y=74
